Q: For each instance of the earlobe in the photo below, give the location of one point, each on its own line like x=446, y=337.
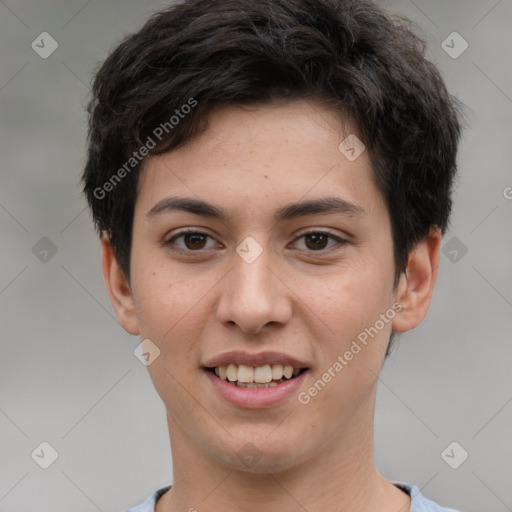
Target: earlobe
x=118, y=288
x=417, y=283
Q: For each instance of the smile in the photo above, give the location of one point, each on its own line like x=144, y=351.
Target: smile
x=255, y=395
x=256, y=377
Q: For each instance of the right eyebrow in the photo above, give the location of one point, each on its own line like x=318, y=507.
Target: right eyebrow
x=189, y=205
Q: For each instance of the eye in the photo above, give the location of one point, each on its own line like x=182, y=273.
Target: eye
x=192, y=241
x=319, y=240
x=195, y=241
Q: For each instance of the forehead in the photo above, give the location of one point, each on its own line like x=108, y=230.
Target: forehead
x=249, y=156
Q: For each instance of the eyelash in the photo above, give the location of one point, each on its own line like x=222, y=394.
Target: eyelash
x=171, y=242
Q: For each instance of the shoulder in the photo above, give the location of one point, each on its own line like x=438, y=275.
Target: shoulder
x=149, y=504
x=420, y=503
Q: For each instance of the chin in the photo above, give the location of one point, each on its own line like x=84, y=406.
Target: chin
x=262, y=457
x=267, y=464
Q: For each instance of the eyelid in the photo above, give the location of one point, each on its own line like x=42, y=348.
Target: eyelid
x=324, y=231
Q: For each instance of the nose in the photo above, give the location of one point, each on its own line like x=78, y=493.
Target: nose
x=253, y=295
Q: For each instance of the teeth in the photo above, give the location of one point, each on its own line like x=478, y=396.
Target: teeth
x=245, y=373
x=256, y=384
x=288, y=371
x=232, y=372
x=277, y=371
x=260, y=376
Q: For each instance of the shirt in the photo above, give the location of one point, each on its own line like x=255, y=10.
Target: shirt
x=418, y=502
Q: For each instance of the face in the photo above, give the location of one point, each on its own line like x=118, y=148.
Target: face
x=256, y=247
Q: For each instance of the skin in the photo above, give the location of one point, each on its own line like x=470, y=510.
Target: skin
x=294, y=298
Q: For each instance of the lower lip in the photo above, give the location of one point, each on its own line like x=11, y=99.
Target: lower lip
x=256, y=398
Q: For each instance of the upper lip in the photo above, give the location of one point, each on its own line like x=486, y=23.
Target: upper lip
x=239, y=357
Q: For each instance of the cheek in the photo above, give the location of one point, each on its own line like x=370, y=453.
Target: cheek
x=351, y=359
x=153, y=299
x=352, y=306
x=351, y=299
x=170, y=310
x=158, y=298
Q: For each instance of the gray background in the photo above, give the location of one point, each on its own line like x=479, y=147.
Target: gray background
x=68, y=375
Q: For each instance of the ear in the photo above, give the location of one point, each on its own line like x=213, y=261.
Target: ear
x=417, y=283
x=118, y=288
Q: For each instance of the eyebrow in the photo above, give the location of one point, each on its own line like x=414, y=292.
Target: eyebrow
x=323, y=206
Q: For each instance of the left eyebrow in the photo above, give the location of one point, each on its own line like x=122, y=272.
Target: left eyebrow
x=323, y=206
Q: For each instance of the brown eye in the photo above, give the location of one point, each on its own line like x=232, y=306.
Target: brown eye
x=316, y=241
x=191, y=241
x=194, y=241
x=319, y=241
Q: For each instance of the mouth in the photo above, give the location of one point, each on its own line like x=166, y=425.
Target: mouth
x=266, y=376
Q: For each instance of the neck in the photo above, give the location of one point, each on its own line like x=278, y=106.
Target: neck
x=341, y=476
